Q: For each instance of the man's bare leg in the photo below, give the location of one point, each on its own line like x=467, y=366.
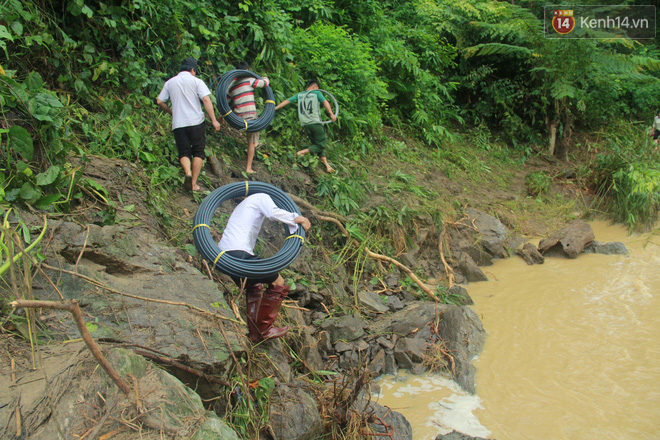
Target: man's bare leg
x=185, y=164
x=197, y=163
x=303, y=152
x=250, y=157
x=328, y=168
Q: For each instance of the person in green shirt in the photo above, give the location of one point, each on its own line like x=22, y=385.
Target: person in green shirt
x=309, y=114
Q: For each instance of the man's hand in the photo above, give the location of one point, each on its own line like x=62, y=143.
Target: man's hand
x=216, y=125
x=303, y=221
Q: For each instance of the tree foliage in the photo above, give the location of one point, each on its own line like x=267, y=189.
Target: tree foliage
x=85, y=73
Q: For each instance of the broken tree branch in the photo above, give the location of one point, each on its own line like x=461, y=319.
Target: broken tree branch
x=72, y=307
x=320, y=215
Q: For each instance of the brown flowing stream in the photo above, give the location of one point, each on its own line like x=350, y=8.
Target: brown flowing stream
x=572, y=352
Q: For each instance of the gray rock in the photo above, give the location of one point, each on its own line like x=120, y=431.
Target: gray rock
x=394, y=303
x=461, y=292
x=414, y=317
x=294, y=415
x=606, y=248
x=346, y=328
x=372, y=301
x=412, y=347
x=388, y=423
x=493, y=232
x=464, y=335
x=455, y=435
x=571, y=239
x=309, y=350
x=470, y=270
x=377, y=364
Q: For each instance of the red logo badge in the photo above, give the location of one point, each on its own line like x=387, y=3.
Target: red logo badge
x=563, y=21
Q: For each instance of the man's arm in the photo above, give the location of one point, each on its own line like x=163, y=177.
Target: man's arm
x=282, y=104
x=162, y=104
x=328, y=109
x=208, y=105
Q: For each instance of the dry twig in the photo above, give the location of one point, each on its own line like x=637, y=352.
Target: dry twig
x=72, y=307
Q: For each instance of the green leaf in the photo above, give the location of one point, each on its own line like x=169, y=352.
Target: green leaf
x=12, y=194
x=47, y=201
x=91, y=327
x=34, y=82
x=94, y=184
x=29, y=192
x=21, y=141
x=146, y=156
x=26, y=233
x=4, y=34
x=17, y=27
x=49, y=176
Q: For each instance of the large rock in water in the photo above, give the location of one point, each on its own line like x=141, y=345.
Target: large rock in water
x=571, y=240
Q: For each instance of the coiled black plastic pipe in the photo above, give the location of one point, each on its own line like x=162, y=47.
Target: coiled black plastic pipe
x=237, y=267
x=221, y=93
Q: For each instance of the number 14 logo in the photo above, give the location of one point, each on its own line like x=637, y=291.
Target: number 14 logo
x=563, y=21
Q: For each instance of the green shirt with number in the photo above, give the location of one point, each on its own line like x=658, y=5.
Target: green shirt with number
x=309, y=106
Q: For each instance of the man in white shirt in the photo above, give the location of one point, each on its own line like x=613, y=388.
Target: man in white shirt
x=185, y=92
x=238, y=240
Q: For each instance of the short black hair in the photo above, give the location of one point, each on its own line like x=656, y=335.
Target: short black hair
x=312, y=81
x=188, y=64
x=242, y=65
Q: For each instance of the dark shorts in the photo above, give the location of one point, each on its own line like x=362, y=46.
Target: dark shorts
x=316, y=134
x=190, y=141
x=250, y=281
x=656, y=133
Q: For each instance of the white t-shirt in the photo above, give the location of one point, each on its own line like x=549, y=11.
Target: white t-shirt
x=656, y=123
x=245, y=222
x=185, y=92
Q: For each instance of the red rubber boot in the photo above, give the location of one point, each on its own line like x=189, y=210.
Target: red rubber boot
x=270, y=307
x=254, y=294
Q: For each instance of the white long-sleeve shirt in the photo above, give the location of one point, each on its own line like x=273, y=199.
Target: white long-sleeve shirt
x=245, y=222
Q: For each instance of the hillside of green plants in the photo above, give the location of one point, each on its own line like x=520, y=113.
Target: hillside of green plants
x=432, y=94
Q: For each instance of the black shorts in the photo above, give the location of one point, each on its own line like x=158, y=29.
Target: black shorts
x=268, y=279
x=656, y=133
x=190, y=141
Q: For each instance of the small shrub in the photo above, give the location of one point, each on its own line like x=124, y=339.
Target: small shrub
x=538, y=183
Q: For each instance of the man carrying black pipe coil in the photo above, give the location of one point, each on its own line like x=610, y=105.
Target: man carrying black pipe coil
x=238, y=240
x=309, y=103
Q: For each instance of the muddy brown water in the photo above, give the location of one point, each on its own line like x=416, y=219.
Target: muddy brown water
x=572, y=352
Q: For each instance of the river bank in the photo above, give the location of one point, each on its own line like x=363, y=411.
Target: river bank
x=570, y=352
x=139, y=291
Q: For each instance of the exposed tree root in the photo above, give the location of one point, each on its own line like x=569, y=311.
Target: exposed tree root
x=337, y=220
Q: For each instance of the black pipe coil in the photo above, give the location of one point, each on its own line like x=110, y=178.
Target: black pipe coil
x=225, y=263
x=221, y=96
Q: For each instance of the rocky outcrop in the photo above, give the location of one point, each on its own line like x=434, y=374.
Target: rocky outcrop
x=530, y=254
x=569, y=241
x=77, y=398
x=606, y=248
